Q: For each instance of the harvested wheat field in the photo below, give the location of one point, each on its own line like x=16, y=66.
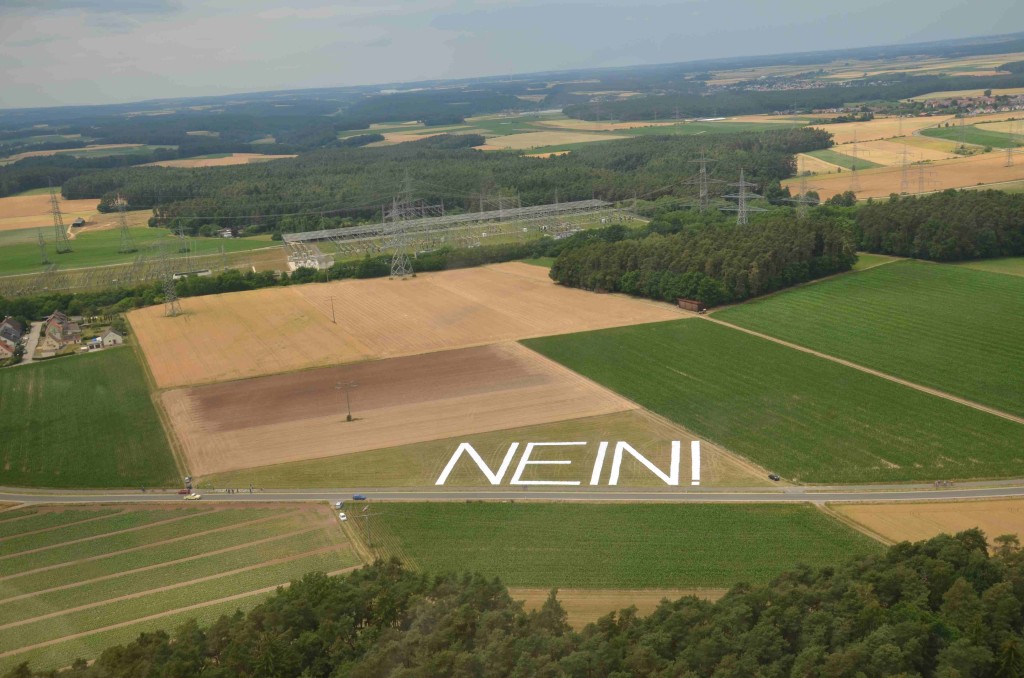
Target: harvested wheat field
x=987, y=168
x=299, y=416
x=230, y=159
x=528, y=140
x=249, y=334
x=808, y=163
x=33, y=211
x=1006, y=127
x=585, y=606
x=932, y=143
x=879, y=128
x=914, y=521
x=552, y=154
x=891, y=152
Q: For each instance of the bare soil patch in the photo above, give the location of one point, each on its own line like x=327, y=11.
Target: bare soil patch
x=585, y=606
x=528, y=140
x=300, y=416
x=248, y=334
x=901, y=521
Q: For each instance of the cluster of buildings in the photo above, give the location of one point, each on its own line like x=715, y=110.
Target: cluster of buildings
x=60, y=330
x=11, y=332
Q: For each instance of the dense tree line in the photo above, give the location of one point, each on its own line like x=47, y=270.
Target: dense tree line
x=942, y=608
x=712, y=260
x=327, y=189
x=890, y=87
x=947, y=226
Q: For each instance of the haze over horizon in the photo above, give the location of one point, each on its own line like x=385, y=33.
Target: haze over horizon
x=82, y=52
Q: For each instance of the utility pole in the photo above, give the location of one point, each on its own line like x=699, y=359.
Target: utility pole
x=127, y=242
x=333, y=319
x=741, y=197
x=44, y=259
x=63, y=245
x=347, y=386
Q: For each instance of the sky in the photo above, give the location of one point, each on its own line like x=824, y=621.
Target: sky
x=71, y=52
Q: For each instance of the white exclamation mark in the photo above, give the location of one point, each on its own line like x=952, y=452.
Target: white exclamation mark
x=695, y=462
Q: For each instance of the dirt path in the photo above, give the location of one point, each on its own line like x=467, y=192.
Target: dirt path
x=166, y=613
x=192, y=535
x=167, y=563
x=868, y=370
x=171, y=587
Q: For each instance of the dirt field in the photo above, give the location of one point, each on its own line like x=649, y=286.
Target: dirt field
x=987, y=168
x=553, y=154
x=299, y=416
x=248, y=334
x=930, y=143
x=528, y=140
x=891, y=152
x=879, y=128
x=584, y=606
x=913, y=521
x=233, y=159
x=33, y=211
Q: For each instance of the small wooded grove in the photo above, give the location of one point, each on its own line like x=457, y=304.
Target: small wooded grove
x=945, y=608
x=712, y=259
x=947, y=226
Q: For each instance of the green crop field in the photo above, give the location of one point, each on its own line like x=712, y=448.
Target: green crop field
x=946, y=327
x=546, y=262
x=20, y=251
x=843, y=160
x=82, y=421
x=805, y=417
x=1007, y=265
x=172, y=575
x=973, y=135
x=629, y=546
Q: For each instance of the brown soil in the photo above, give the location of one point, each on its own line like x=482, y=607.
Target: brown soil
x=233, y=159
x=248, y=334
x=302, y=415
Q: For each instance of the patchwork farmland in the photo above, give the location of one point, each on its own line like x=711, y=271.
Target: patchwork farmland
x=249, y=334
x=75, y=580
x=946, y=327
x=807, y=418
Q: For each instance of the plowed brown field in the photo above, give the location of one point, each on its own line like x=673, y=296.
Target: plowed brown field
x=249, y=334
x=299, y=416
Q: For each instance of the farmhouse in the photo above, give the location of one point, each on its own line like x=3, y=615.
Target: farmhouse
x=111, y=338
x=10, y=332
x=61, y=330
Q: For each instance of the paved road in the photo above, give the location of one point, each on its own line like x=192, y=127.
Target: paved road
x=30, y=345
x=781, y=495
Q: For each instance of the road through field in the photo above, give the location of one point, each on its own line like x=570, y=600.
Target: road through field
x=868, y=370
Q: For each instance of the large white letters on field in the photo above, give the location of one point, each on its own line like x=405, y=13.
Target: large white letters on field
x=621, y=449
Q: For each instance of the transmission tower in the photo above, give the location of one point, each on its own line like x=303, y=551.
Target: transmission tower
x=703, y=183
x=963, y=131
x=854, y=177
x=741, y=197
x=127, y=242
x=1013, y=141
x=43, y=258
x=172, y=307
x=904, y=172
x=405, y=209
x=923, y=176
x=63, y=245
x=802, y=202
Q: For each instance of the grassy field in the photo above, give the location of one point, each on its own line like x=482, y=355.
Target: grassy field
x=1007, y=265
x=546, y=262
x=807, y=418
x=841, y=159
x=179, y=561
x=973, y=135
x=421, y=464
x=947, y=327
x=628, y=546
x=866, y=261
x=82, y=421
x=20, y=251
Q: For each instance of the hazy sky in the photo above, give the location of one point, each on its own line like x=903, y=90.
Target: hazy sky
x=55, y=52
